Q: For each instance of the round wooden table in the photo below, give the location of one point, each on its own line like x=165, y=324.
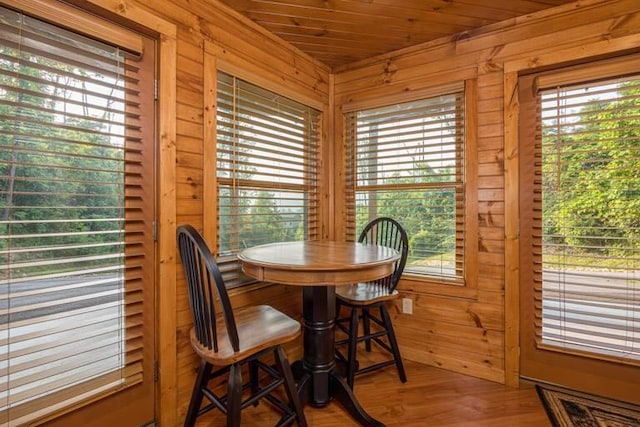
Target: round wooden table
x=319, y=266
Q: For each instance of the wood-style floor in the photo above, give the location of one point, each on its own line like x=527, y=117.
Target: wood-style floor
x=431, y=397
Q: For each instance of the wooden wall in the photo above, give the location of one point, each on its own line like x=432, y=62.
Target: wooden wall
x=247, y=46
x=461, y=330
x=240, y=43
x=476, y=332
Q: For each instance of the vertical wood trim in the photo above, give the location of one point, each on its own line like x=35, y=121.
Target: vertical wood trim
x=471, y=184
x=209, y=166
x=529, y=130
x=329, y=166
x=339, y=212
x=512, y=232
x=166, y=408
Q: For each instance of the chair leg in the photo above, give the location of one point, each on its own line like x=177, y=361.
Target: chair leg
x=366, y=327
x=254, y=378
x=338, y=312
x=386, y=319
x=234, y=396
x=290, y=385
x=196, y=396
x=353, y=343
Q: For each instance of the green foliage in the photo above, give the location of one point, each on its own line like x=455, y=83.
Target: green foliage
x=75, y=174
x=592, y=204
x=428, y=215
x=62, y=179
x=266, y=221
x=250, y=218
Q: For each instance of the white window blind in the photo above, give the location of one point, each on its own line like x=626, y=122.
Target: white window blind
x=267, y=174
x=587, y=273
x=406, y=161
x=73, y=200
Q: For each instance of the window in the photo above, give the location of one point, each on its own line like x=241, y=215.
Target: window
x=76, y=215
x=586, y=232
x=267, y=150
x=406, y=161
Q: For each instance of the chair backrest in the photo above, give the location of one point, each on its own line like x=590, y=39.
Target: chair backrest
x=202, y=275
x=388, y=232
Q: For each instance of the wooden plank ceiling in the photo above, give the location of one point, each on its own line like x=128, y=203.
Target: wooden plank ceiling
x=339, y=32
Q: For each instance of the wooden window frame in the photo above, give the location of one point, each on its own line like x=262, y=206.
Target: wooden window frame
x=141, y=19
x=212, y=65
x=512, y=71
x=166, y=315
x=534, y=86
x=420, y=284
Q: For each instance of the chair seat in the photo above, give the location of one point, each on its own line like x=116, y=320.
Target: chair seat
x=259, y=327
x=364, y=294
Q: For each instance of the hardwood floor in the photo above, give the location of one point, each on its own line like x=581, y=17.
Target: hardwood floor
x=431, y=397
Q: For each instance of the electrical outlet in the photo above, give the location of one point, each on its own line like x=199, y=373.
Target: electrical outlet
x=407, y=305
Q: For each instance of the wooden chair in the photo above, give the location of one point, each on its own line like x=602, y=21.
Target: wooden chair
x=233, y=338
x=364, y=298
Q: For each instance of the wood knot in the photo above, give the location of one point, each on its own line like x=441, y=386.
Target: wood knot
x=475, y=318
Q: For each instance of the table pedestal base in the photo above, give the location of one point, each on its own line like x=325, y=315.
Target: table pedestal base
x=318, y=379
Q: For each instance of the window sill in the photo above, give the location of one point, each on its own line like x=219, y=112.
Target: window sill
x=440, y=287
